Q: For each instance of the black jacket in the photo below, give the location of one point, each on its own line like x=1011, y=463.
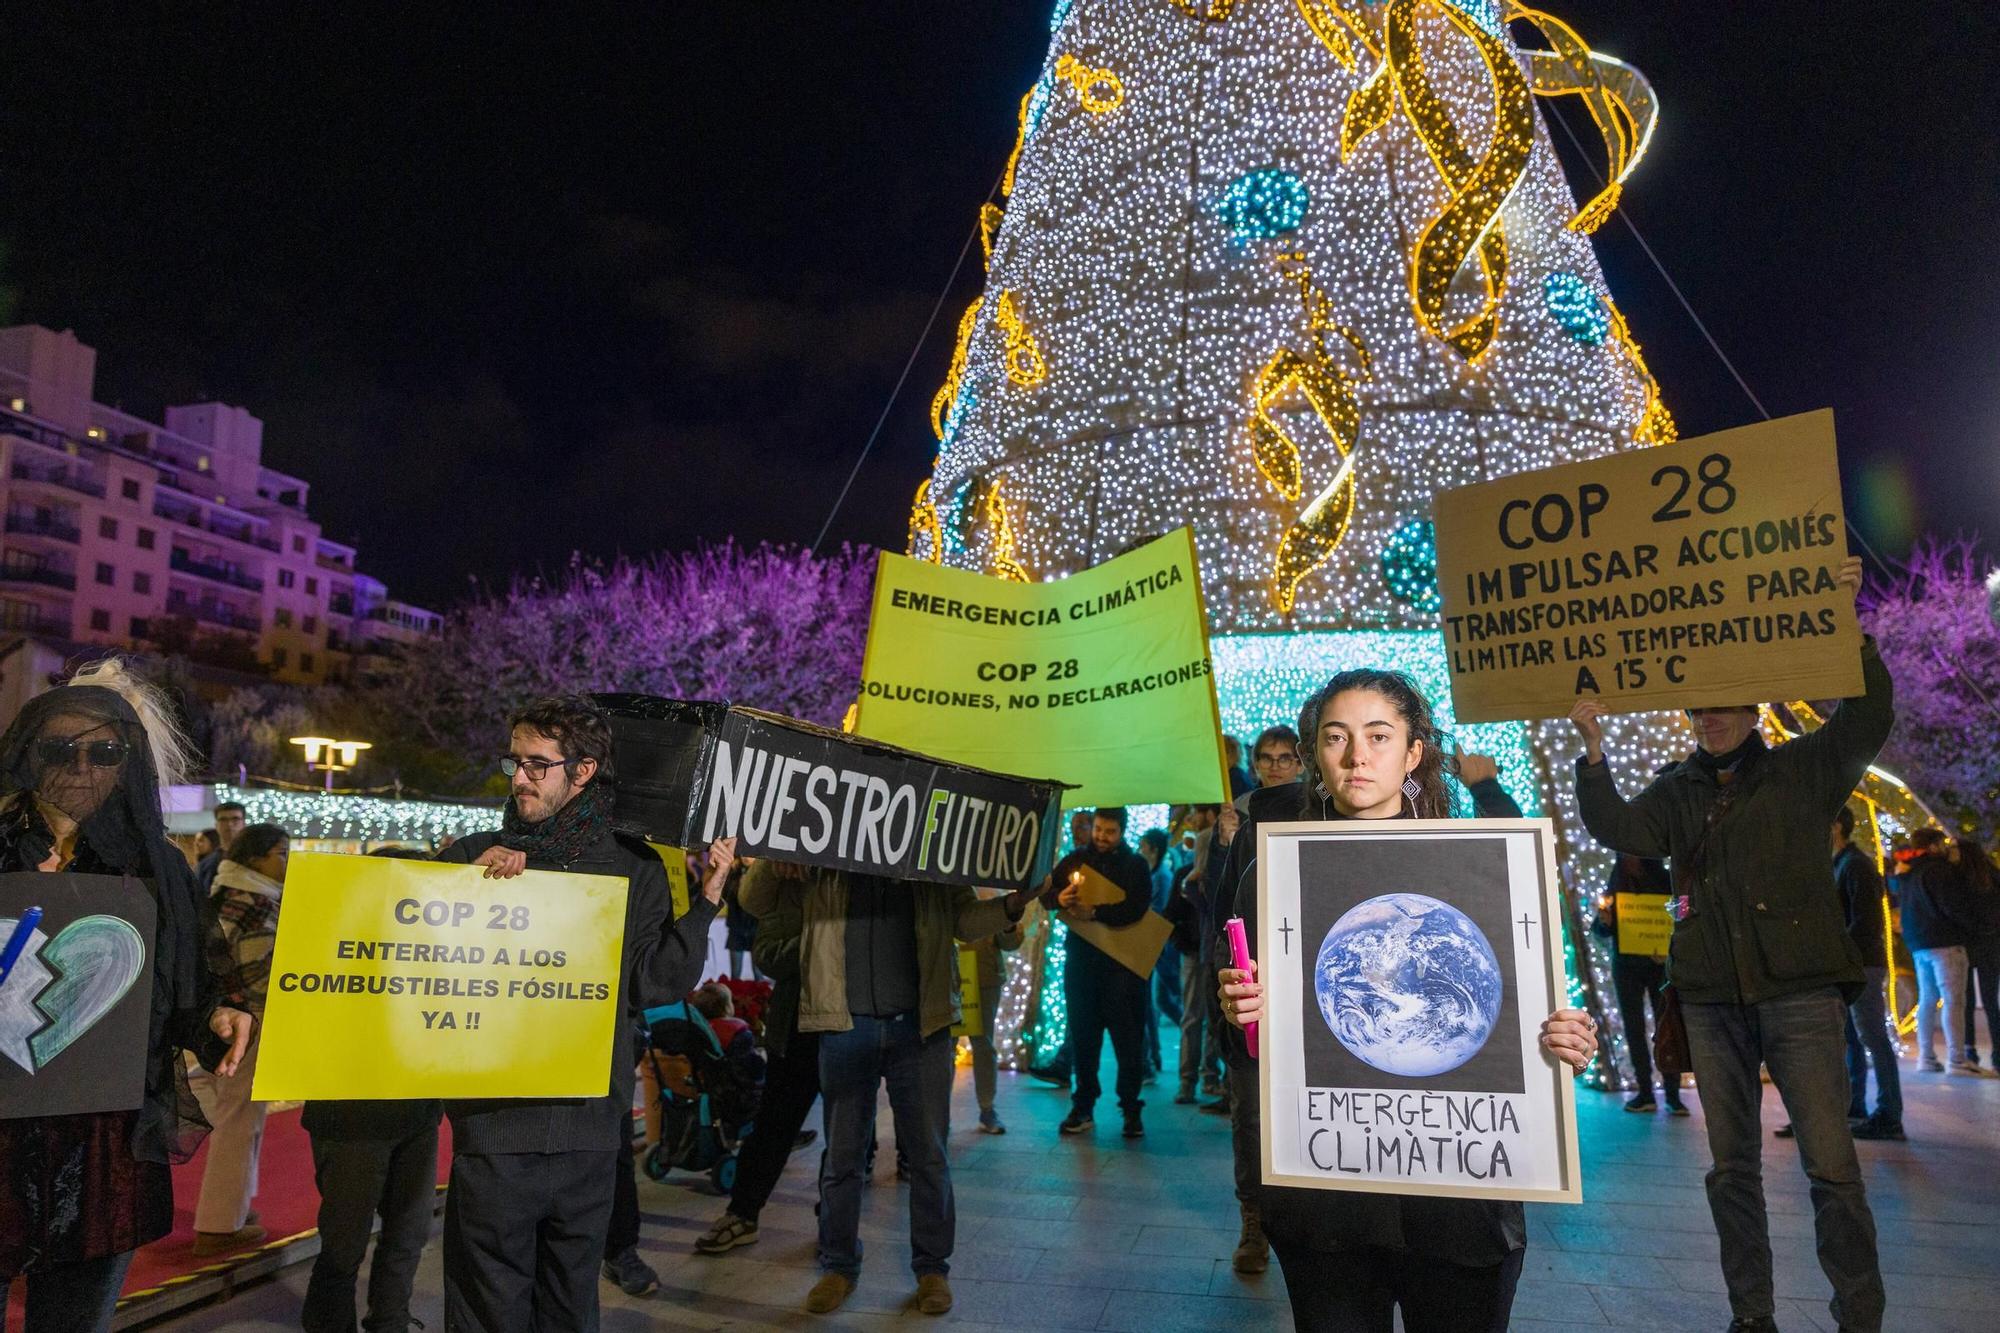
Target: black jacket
x=1861, y=896
x=1765, y=918
x=1938, y=911
x=663, y=962
x=1129, y=871
x=1476, y=1233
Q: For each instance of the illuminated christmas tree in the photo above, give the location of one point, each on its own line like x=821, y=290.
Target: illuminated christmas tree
x=1282, y=270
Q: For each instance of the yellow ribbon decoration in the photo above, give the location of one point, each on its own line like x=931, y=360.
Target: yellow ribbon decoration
x=1000, y=562
x=924, y=523
x=1023, y=354
x=1619, y=99
x=1086, y=80
x=1208, y=11
x=1312, y=537
x=954, y=375
x=1656, y=423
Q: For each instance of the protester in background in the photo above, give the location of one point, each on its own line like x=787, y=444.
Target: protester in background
x=206, y=843
x=1200, y=1056
x=243, y=929
x=1239, y=777
x=230, y=817
x=1982, y=947
x=1868, y=1039
x=533, y=1179
x=81, y=770
x=371, y=1159
x=1351, y=1261
x=1276, y=758
x=1937, y=917
x=1100, y=993
x=1153, y=851
x=878, y=962
x=985, y=1059
x=1761, y=962
x=791, y=1080
x=1637, y=978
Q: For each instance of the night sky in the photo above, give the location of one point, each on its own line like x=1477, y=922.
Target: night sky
x=504, y=286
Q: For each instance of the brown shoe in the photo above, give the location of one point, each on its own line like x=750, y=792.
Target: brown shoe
x=828, y=1293
x=1253, y=1252
x=208, y=1243
x=933, y=1293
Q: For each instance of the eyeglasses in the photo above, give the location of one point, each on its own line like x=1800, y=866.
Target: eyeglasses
x=536, y=769
x=101, y=754
x=1285, y=759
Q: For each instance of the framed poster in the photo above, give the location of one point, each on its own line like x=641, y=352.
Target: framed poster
x=1407, y=968
x=75, y=1008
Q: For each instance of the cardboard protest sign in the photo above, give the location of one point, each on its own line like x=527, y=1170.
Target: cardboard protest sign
x=1135, y=947
x=689, y=773
x=75, y=1008
x=1700, y=574
x=1093, y=889
x=397, y=979
x=1407, y=967
x=1644, y=927
x=1104, y=675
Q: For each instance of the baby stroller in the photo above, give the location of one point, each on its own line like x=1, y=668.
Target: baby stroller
x=708, y=1096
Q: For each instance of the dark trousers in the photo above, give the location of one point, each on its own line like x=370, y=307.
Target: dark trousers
x=1243, y=1122
x=1359, y=1289
x=1103, y=997
x=1638, y=979
x=918, y=1070
x=1167, y=985
x=621, y=1233
x=1869, y=1043
x=1983, y=991
x=358, y=1180
x=72, y=1298
x=791, y=1086
x=1800, y=1039
x=523, y=1236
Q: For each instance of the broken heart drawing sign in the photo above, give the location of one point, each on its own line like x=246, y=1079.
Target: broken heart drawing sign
x=74, y=1009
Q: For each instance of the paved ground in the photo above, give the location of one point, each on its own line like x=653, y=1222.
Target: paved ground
x=1108, y=1235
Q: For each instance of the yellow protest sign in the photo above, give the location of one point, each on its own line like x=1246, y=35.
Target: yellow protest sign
x=1700, y=574
x=1644, y=928
x=968, y=1024
x=396, y=979
x=1103, y=676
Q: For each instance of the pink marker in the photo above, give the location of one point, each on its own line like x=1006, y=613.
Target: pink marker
x=1239, y=957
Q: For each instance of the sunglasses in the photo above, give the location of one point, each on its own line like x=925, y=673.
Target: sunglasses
x=101, y=754
x=536, y=769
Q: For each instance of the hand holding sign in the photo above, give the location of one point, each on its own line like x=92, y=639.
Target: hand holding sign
x=235, y=1027
x=1570, y=1035
x=721, y=860
x=501, y=862
x=1588, y=718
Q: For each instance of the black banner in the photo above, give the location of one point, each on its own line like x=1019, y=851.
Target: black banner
x=692, y=772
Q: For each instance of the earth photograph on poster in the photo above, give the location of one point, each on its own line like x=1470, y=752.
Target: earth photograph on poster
x=1404, y=947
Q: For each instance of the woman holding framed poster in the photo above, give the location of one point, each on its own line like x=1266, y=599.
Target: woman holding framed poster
x=1351, y=1260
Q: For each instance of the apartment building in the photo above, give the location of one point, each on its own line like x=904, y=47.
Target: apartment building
x=154, y=535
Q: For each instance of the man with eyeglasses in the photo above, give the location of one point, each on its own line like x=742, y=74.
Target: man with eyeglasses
x=230, y=817
x=532, y=1179
x=1762, y=962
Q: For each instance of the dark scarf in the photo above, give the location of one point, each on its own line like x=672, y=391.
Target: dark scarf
x=566, y=836
x=1737, y=763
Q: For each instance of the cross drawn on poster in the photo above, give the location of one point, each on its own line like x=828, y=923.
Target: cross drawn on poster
x=1407, y=967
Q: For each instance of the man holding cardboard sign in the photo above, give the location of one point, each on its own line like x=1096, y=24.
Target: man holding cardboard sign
x=1700, y=573
x=1102, y=994
x=532, y=1178
x=1761, y=961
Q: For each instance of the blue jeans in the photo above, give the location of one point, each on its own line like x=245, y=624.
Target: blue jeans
x=1800, y=1038
x=1868, y=1043
x=72, y=1298
x=918, y=1070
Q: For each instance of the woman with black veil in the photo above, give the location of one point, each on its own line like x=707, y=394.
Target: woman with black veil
x=80, y=776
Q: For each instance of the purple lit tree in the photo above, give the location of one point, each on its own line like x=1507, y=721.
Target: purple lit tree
x=774, y=628
x=1934, y=622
